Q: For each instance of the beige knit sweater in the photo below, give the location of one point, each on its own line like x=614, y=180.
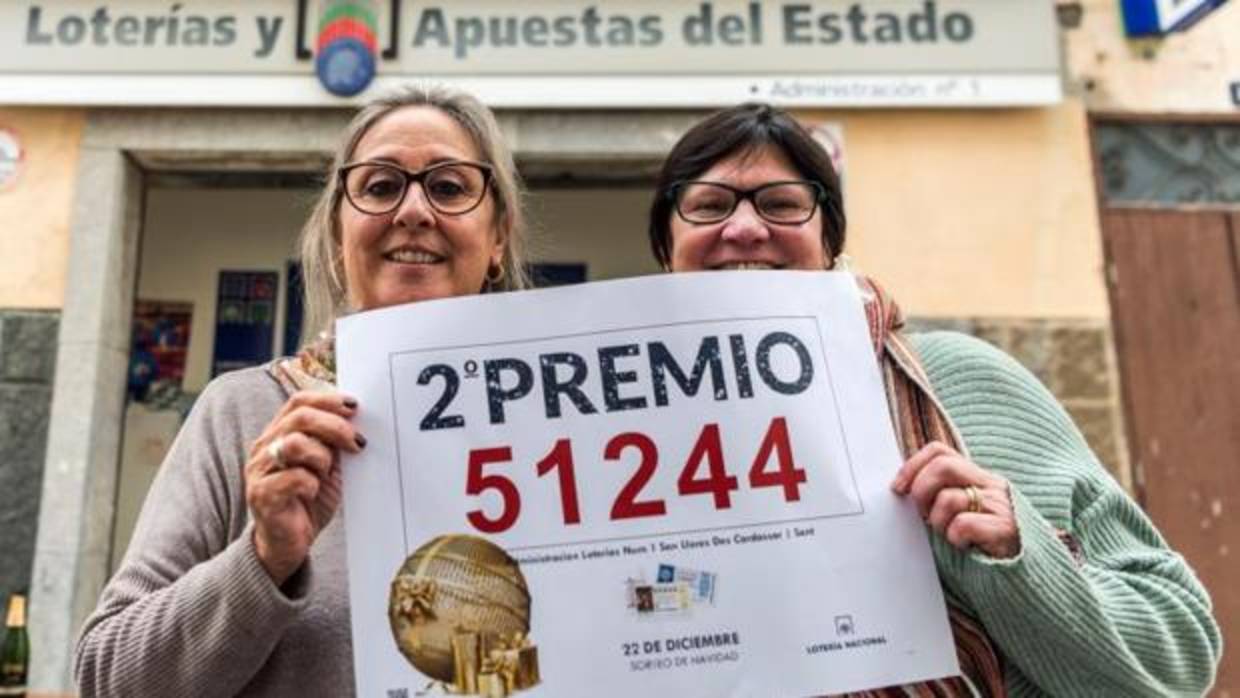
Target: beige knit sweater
x=191, y=611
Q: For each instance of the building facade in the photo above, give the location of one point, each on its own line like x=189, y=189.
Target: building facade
x=158, y=163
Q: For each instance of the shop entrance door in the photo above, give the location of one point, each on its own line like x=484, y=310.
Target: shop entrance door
x=1170, y=201
x=1175, y=300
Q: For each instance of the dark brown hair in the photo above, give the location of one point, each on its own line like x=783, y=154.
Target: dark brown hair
x=744, y=129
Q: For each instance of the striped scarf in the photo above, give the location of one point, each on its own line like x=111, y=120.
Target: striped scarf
x=312, y=368
x=920, y=419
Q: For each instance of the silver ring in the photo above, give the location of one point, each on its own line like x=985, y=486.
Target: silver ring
x=275, y=449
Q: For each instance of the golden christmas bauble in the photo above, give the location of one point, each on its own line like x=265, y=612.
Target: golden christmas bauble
x=453, y=584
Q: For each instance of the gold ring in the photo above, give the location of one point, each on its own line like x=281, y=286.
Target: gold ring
x=275, y=449
x=975, y=499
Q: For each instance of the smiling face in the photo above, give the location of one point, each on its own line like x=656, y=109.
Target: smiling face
x=744, y=240
x=416, y=253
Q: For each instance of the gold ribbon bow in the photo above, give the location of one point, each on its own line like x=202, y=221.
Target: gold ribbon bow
x=415, y=597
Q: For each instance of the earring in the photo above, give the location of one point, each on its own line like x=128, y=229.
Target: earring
x=496, y=274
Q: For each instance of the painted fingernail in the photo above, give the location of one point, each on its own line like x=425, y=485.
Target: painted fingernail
x=350, y=403
x=359, y=440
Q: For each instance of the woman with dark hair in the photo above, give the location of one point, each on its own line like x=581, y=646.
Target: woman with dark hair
x=234, y=582
x=1057, y=582
x=747, y=136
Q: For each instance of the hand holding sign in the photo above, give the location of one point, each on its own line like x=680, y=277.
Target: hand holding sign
x=292, y=477
x=967, y=504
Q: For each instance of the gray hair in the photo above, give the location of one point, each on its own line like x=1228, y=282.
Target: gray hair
x=322, y=264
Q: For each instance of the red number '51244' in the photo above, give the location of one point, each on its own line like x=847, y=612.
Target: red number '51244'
x=707, y=455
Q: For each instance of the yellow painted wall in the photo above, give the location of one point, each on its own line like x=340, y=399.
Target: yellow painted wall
x=1185, y=72
x=36, y=209
x=975, y=213
x=604, y=227
x=940, y=203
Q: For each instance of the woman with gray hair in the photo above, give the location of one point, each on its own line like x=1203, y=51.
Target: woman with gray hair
x=234, y=581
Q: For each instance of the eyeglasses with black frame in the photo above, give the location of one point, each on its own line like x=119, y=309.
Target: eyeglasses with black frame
x=452, y=188
x=789, y=202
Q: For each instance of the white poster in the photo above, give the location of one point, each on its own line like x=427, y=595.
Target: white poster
x=675, y=485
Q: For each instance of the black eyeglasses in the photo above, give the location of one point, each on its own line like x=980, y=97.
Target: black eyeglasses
x=783, y=203
x=452, y=188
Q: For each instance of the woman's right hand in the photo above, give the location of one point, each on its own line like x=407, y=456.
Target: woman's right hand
x=292, y=476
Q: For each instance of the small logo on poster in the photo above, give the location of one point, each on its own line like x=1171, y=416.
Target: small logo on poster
x=844, y=626
x=676, y=589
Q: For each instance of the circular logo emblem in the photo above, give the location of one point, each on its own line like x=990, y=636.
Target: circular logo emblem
x=346, y=49
x=345, y=67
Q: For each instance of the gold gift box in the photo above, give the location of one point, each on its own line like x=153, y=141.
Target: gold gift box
x=466, y=661
x=493, y=665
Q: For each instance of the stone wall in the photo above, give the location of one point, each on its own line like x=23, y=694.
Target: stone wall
x=27, y=364
x=1075, y=359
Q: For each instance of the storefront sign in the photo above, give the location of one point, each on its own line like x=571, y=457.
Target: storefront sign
x=11, y=157
x=1149, y=17
x=542, y=53
x=663, y=486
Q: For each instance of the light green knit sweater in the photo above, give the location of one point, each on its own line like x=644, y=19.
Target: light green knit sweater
x=1131, y=619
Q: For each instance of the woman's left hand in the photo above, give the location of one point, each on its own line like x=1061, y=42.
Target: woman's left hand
x=967, y=504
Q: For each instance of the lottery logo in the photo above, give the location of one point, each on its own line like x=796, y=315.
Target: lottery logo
x=346, y=49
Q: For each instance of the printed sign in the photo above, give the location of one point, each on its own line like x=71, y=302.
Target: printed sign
x=245, y=315
x=1148, y=17
x=158, y=347
x=664, y=486
x=539, y=53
